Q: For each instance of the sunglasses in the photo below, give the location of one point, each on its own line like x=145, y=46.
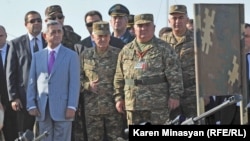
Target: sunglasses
x=91, y=23
x=35, y=20
x=54, y=17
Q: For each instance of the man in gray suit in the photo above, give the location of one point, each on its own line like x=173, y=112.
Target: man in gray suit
x=54, y=86
x=18, y=65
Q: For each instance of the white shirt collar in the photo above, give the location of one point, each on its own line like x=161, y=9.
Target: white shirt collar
x=56, y=49
x=4, y=48
x=39, y=37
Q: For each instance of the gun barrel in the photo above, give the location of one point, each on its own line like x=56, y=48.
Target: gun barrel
x=231, y=100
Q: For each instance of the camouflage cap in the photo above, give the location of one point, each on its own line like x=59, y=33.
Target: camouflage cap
x=118, y=10
x=143, y=18
x=178, y=9
x=52, y=10
x=101, y=28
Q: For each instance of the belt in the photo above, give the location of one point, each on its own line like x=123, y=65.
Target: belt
x=145, y=81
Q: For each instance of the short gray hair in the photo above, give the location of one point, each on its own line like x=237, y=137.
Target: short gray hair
x=50, y=23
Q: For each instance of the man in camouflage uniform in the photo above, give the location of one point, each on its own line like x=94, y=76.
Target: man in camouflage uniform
x=70, y=38
x=182, y=41
x=97, y=75
x=148, y=78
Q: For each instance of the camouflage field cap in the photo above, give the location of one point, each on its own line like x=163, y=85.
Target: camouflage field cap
x=178, y=9
x=130, y=20
x=101, y=28
x=52, y=10
x=143, y=18
x=118, y=10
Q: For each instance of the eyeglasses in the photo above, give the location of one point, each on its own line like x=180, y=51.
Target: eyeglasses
x=89, y=24
x=35, y=20
x=54, y=17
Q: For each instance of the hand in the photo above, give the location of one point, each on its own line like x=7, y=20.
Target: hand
x=16, y=105
x=34, y=112
x=120, y=106
x=1, y=116
x=173, y=103
x=70, y=113
x=93, y=86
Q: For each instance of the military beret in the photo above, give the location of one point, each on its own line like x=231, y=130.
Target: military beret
x=143, y=18
x=118, y=10
x=52, y=10
x=130, y=20
x=178, y=9
x=101, y=28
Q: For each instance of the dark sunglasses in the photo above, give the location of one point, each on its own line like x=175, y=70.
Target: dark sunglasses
x=89, y=24
x=54, y=17
x=35, y=20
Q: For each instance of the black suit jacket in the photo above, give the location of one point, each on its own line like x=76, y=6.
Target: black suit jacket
x=18, y=66
x=3, y=85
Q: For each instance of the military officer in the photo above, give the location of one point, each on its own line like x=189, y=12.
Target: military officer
x=98, y=69
x=119, y=21
x=148, y=79
x=182, y=41
x=70, y=38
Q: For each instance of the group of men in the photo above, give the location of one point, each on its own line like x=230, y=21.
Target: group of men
x=92, y=89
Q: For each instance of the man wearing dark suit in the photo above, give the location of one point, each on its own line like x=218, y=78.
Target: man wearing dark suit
x=18, y=65
x=10, y=126
x=54, y=86
x=90, y=18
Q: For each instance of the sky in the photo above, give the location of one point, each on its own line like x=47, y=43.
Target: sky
x=12, y=11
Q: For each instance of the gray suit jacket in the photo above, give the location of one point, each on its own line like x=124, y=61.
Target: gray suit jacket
x=60, y=89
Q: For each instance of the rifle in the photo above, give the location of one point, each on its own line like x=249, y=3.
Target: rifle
x=181, y=120
x=231, y=100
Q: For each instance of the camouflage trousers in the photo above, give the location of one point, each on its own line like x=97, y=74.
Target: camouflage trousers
x=106, y=127
x=188, y=105
x=157, y=116
x=79, y=132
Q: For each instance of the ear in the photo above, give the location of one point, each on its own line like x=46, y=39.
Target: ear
x=44, y=35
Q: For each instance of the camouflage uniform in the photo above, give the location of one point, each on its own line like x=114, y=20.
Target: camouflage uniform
x=100, y=107
x=185, y=51
x=146, y=91
x=70, y=39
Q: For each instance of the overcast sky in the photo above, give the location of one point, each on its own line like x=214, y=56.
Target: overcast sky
x=13, y=11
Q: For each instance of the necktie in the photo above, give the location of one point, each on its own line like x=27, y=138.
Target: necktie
x=51, y=61
x=35, y=49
